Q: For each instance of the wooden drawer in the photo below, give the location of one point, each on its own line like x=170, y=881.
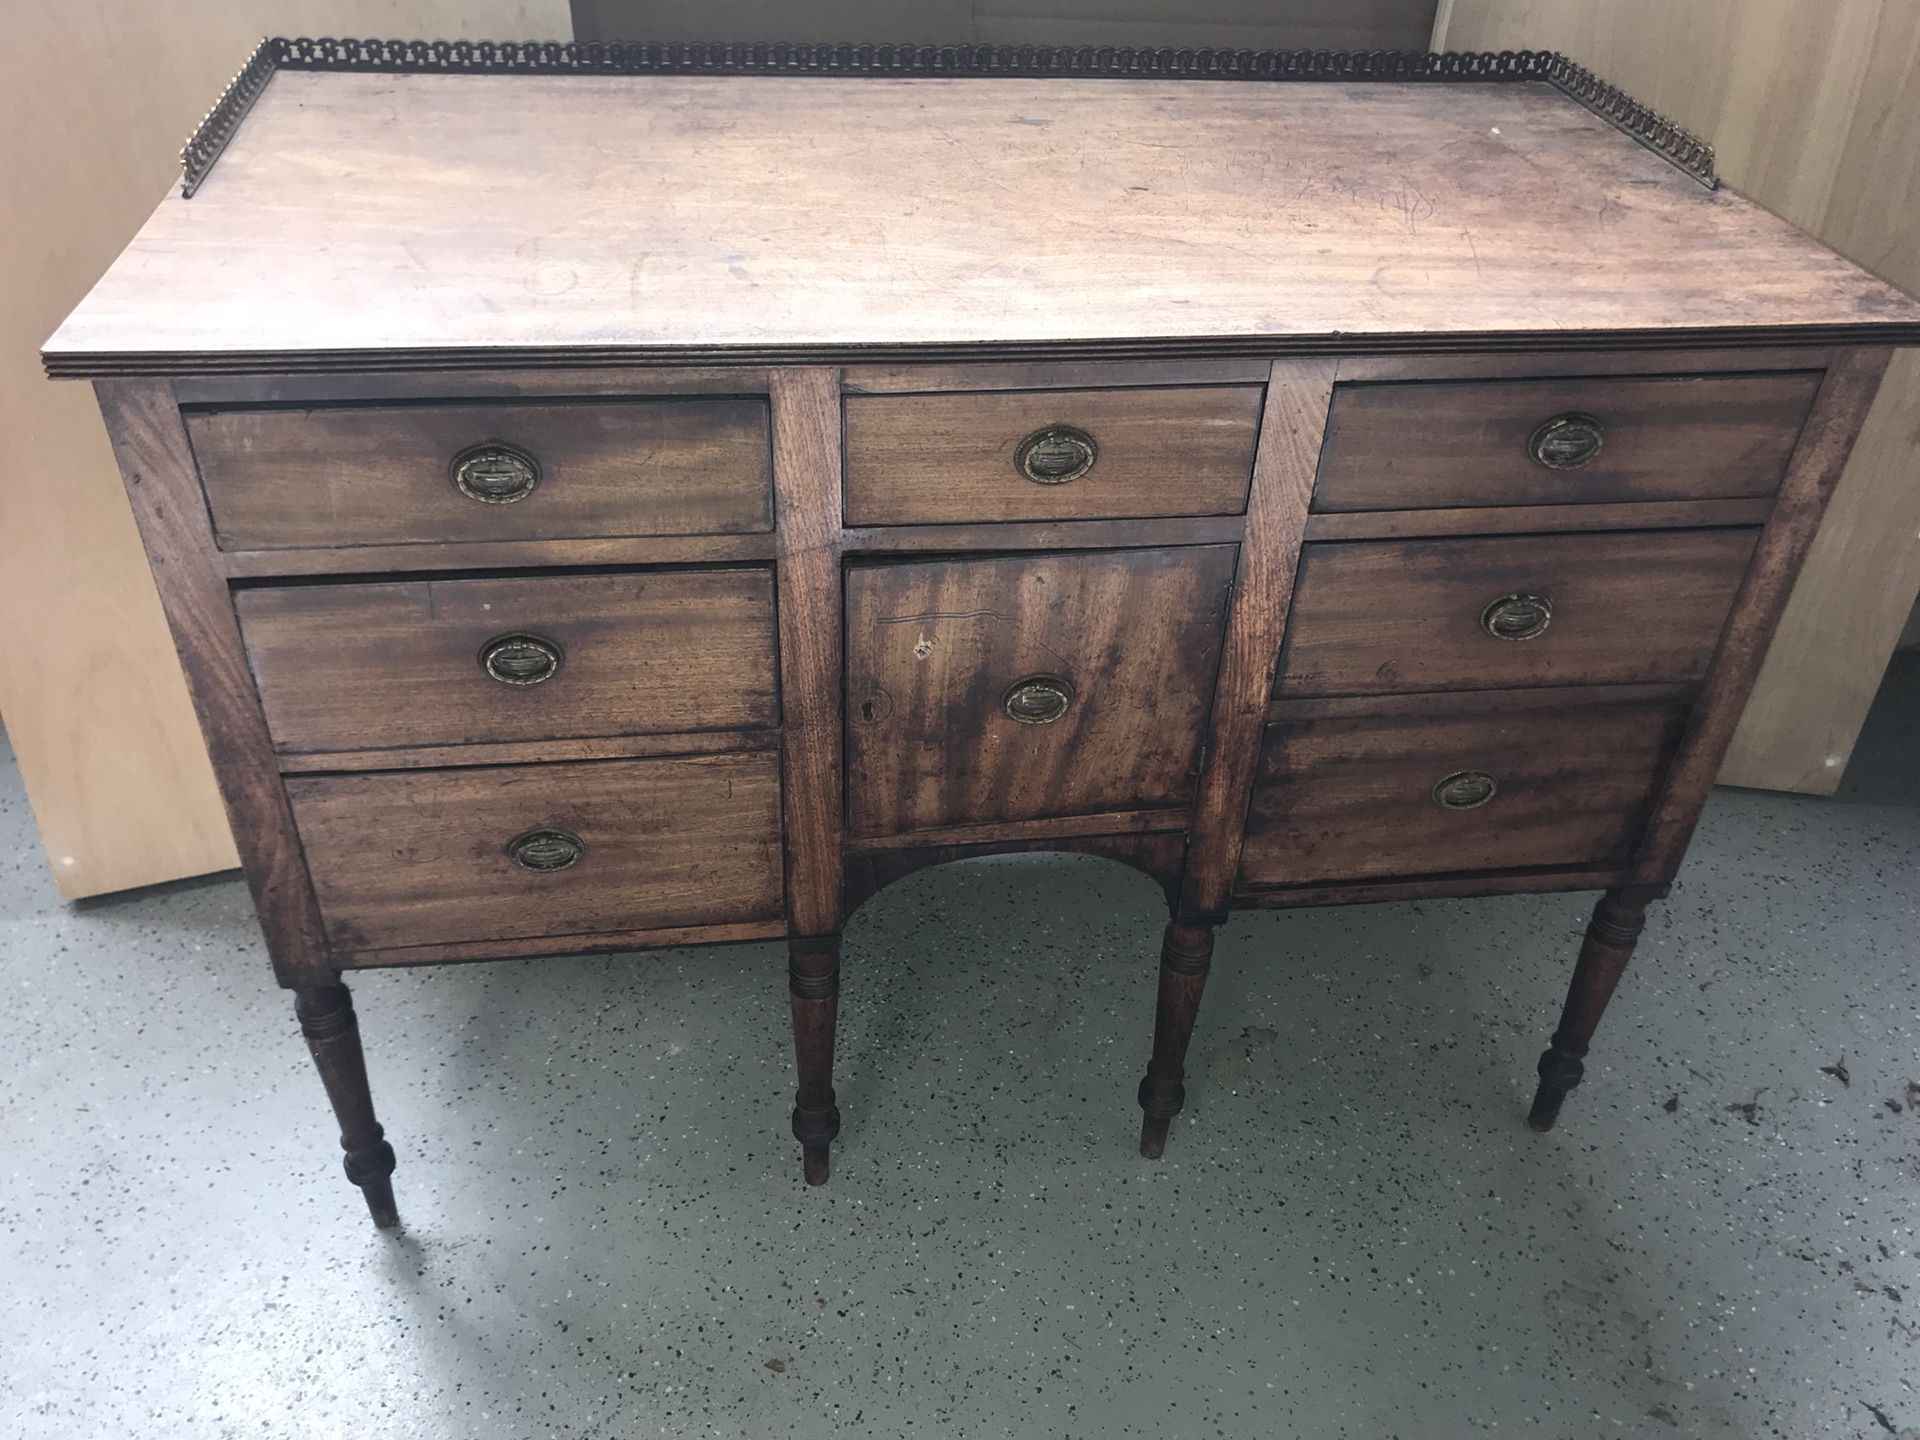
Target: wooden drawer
x=464, y=661
x=1373, y=617
x=393, y=475
x=427, y=857
x=931, y=459
x=1354, y=790
x=1123, y=644
x=1439, y=444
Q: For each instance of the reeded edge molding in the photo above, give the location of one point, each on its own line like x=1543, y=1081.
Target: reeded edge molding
x=1683, y=150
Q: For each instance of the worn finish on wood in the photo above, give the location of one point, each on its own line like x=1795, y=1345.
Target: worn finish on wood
x=1291, y=430
x=1411, y=447
x=1617, y=922
x=1838, y=413
x=157, y=466
x=806, y=468
x=1158, y=855
x=1379, y=617
x=423, y=857
x=1570, y=781
x=897, y=218
x=932, y=459
x=404, y=662
x=593, y=553
x=1043, y=535
x=1186, y=954
x=520, y=752
x=1537, y=519
x=287, y=479
x=936, y=648
x=332, y=1032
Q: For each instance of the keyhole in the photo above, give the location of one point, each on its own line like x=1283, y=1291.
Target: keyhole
x=866, y=710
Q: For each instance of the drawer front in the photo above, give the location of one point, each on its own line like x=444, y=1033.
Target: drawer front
x=429, y=857
x=402, y=475
x=1049, y=454
x=1544, y=442
x=1374, y=617
x=1494, y=783
x=464, y=661
x=1029, y=687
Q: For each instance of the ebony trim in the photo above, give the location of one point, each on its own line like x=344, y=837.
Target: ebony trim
x=1685, y=151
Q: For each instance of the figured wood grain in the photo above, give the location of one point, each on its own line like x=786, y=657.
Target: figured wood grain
x=150, y=443
x=1291, y=432
x=1344, y=799
x=1375, y=617
x=914, y=212
x=420, y=857
x=1401, y=447
x=398, y=663
x=1119, y=822
x=1042, y=535
x=283, y=479
x=594, y=552
x=929, y=459
x=933, y=648
x=526, y=752
x=1838, y=412
x=806, y=481
x=1814, y=109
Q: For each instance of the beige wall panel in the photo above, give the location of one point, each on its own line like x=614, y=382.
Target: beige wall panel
x=95, y=100
x=1814, y=107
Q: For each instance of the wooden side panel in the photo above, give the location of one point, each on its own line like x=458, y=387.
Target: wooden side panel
x=151, y=445
x=1352, y=797
x=1375, y=617
x=1843, y=402
x=1291, y=431
x=422, y=858
x=1814, y=111
x=935, y=649
x=806, y=486
x=931, y=459
x=286, y=479
x=403, y=662
x=1403, y=447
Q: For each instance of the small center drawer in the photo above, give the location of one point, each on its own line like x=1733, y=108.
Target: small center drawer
x=1029, y=687
x=1461, y=784
x=1437, y=444
x=1049, y=454
x=415, y=474
x=466, y=661
x=1375, y=617
x=430, y=857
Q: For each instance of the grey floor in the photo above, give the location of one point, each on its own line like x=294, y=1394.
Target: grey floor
x=1352, y=1234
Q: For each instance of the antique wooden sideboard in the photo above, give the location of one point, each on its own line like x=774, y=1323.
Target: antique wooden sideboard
x=635, y=496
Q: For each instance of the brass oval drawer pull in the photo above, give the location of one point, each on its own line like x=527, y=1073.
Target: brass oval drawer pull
x=1517, y=617
x=1567, y=442
x=494, y=473
x=1055, y=454
x=545, y=850
x=520, y=659
x=1038, y=699
x=1465, y=790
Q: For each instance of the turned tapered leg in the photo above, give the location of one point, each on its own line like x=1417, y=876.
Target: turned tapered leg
x=813, y=990
x=1616, y=925
x=333, y=1035
x=1185, y=956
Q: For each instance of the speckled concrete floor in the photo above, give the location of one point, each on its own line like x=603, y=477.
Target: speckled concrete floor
x=1352, y=1234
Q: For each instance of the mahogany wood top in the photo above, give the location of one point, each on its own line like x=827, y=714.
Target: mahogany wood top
x=378, y=219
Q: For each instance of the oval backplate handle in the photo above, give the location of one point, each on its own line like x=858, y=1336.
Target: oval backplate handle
x=1519, y=616
x=1465, y=790
x=1038, y=699
x=546, y=850
x=495, y=473
x=1567, y=442
x=520, y=659
x=1055, y=454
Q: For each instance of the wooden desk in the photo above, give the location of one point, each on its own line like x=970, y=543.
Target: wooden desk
x=601, y=507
